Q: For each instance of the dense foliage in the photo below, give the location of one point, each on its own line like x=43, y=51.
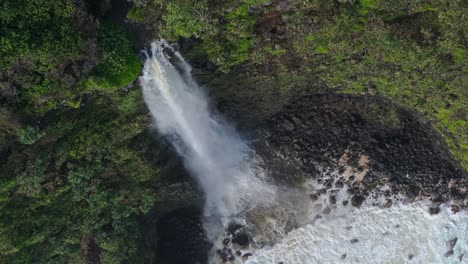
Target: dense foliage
x=73, y=185
x=118, y=63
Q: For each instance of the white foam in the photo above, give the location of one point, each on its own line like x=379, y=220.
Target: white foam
x=214, y=153
x=400, y=234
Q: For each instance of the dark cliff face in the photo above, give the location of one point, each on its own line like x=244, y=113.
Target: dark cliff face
x=181, y=238
x=371, y=142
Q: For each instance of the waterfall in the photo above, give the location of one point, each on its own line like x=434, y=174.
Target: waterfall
x=214, y=153
x=235, y=189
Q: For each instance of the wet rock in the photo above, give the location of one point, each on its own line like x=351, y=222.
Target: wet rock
x=357, y=200
x=226, y=254
x=246, y=256
x=345, y=202
x=332, y=199
x=313, y=197
x=401, y=148
x=343, y=256
x=436, y=197
x=451, y=243
x=354, y=240
x=388, y=204
x=339, y=184
x=234, y=227
x=434, y=210
x=242, y=239
x=455, y=208
x=288, y=125
x=449, y=253
x=410, y=256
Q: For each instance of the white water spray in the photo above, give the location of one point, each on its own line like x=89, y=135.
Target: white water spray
x=222, y=163
x=225, y=168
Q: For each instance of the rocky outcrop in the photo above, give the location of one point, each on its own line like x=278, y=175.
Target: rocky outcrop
x=370, y=142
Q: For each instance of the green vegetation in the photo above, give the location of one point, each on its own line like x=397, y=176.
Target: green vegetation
x=29, y=135
x=118, y=64
x=136, y=14
x=40, y=30
x=74, y=187
x=37, y=37
x=227, y=28
x=78, y=183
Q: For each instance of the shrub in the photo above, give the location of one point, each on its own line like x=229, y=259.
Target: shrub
x=29, y=135
x=118, y=63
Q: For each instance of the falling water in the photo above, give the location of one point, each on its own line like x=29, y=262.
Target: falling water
x=226, y=170
x=222, y=163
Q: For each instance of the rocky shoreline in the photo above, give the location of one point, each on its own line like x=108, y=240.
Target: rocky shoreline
x=368, y=146
x=368, y=142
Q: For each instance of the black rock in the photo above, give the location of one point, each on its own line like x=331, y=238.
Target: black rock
x=288, y=125
x=357, y=200
x=451, y=243
x=242, y=239
x=434, y=210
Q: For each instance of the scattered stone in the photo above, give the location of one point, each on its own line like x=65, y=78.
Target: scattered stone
x=226, y=254
x=226, y=241
x=449, y=253
x=326, y=211
x=460, y=258
x=348, y=228
x=332, y=199
x=343, y=256
x=451, y=243
x=434, y=210
x=313, y=197
x=357, y=200
x=345, y=202
x=388, y=204
x=339, y=184
x=455, y=208
x=436, y=197
x=354, y=240
x=246, y=256
x=410, y=256
x=336, y=130
x=242, y=239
